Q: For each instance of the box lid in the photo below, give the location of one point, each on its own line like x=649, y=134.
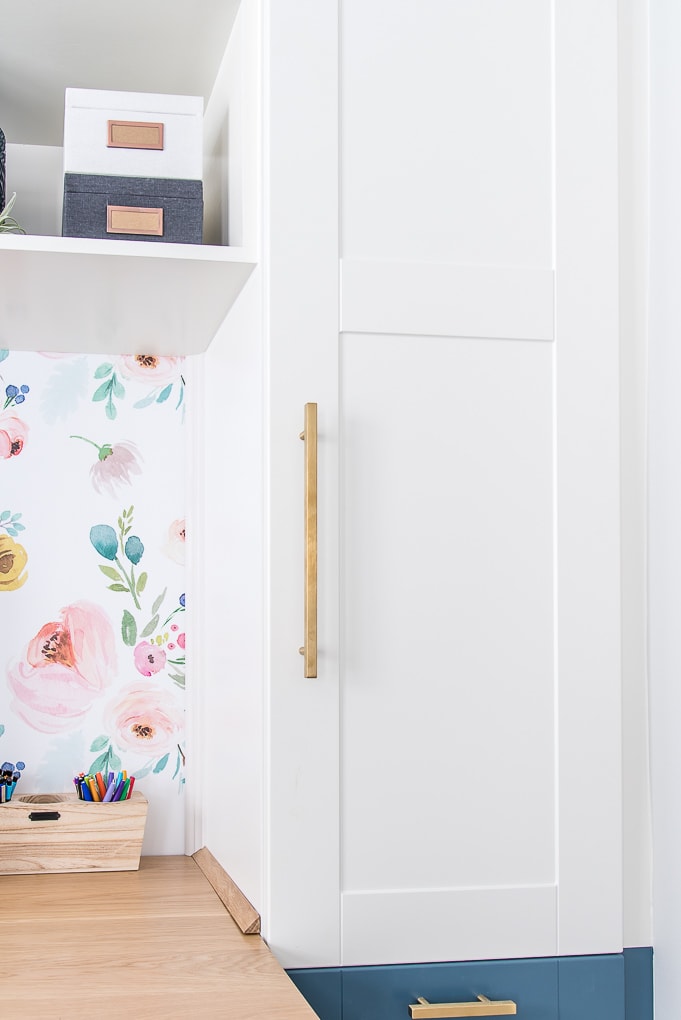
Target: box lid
x=134, y=102
x=144, y=187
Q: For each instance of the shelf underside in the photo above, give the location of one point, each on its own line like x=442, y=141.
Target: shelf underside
x=114, y=296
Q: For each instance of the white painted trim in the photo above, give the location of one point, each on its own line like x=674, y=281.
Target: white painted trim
x=588, y=479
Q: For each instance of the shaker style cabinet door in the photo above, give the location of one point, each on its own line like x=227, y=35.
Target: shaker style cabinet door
x=480, y=788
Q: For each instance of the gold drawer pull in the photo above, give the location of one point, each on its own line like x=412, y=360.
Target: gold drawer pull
x=123, y=219
x=134, y=134
x=309, y=649
x=483, y=1007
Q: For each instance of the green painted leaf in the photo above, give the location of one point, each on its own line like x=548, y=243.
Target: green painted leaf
x=111, y=411
x=150, y=627
x=142, y=582
x=102, y=392
x=114, y=761
x=4, y=353
x=129, y=628
x=104, y=370
x=99, y=743
x=110, y=572
x=99, y=764
x=159, y=601
x=178, y=679
x=161, y=763
x=117, y=386
x=18, y=527
x=2, y=730
x=164, y=394
x=145, y=401
x=5, y=514
x=16, y=517
x=177, y=765
x=117, y=587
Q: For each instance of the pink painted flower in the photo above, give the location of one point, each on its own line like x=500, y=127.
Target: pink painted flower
x=154, y=368
x=174, y=547
x=114, y=465
x=66, y=666
x=149, y=658
x=145, y=719
x=12, y=436
x=181, y=640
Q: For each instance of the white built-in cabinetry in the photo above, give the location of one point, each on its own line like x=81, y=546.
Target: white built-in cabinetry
x=439, y=274
x=425, y=202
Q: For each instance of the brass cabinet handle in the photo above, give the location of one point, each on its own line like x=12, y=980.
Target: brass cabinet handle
x=309, y=649
x=483, y=1007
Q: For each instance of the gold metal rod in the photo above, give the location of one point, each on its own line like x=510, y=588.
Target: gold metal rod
x=424, y=1010
x=309, y=436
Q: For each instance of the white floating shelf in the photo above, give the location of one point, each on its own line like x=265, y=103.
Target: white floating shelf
x=69, y=294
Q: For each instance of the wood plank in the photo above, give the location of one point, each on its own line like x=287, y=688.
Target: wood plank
x=113, y=894
x=156, y=942
x=241, y=909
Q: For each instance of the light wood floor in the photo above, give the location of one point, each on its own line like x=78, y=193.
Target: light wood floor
x=153, y=944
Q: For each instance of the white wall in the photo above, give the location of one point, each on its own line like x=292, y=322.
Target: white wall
x=665, y=497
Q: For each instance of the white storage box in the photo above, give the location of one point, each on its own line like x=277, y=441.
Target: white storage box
x=133, y=134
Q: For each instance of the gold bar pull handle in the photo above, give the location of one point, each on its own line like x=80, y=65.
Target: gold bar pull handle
x=309, y=649
x=423, y=1010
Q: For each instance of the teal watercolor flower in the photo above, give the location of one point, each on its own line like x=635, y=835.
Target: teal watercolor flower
x=105, y=540
x=114, y=547
x=134, y=549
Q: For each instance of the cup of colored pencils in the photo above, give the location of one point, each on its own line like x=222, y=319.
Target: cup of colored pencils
x=104, y=789
x=9, y=777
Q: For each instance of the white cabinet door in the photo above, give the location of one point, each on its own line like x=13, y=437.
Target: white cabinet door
x=441, y=277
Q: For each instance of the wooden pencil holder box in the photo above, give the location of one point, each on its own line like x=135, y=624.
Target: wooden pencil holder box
x=53, y=833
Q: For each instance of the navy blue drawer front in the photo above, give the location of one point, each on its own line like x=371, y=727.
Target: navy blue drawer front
x=88, y=196
x=609, y=987
x=385, y=993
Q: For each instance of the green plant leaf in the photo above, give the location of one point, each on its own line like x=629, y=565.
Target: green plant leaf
x=142, y=582
x=129, y=628
x=159, y=601
x=118, y=587
x=150, y=627
x=104, y=370
x=100, y=743
x=110, y=572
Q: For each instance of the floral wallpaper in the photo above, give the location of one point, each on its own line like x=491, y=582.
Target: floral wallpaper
x=92, y=581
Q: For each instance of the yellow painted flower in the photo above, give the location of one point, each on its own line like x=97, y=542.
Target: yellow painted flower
x=13, y=559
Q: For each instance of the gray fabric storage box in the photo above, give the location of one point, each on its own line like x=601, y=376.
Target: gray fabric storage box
x=133, y=208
